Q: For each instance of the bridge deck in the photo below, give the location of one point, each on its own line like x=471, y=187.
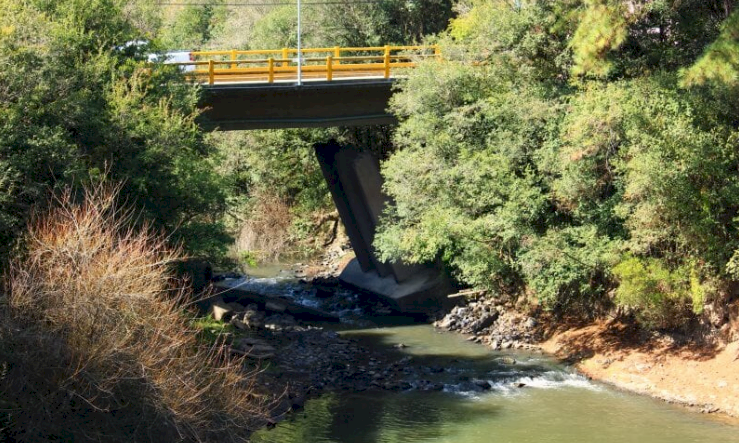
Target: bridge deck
x=326, y=64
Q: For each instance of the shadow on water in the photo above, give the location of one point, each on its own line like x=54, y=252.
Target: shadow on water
x=373, y=417
x=482, y=396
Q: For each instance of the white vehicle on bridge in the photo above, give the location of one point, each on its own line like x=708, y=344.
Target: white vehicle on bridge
x=172, y=57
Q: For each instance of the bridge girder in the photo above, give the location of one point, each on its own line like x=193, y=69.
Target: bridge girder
x=232, y=107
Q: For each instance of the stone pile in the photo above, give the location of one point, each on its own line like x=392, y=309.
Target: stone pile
x=496, y=324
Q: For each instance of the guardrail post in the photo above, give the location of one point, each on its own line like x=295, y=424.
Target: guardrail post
x=233, y=59
x=387, y=61
x=271, y=75
x=285, y=56
x=329, y=68
x=211, y=72
x=337, y=54
x=437, y=52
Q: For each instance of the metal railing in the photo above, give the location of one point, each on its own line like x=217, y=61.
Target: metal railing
x=281, y=65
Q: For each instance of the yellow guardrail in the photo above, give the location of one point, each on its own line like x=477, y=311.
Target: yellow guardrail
x=317, y=63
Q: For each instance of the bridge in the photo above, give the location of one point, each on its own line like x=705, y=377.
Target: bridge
x=264, y=89
x=327, y=87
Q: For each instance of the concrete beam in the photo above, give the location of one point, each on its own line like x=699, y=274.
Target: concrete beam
x=315, y=104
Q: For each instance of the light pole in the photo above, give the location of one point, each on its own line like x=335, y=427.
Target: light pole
x=300, y=54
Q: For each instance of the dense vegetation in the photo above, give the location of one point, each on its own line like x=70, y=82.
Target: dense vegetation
x=581, y=153
x=577, y=152
x=77, y=104
x=96, y=342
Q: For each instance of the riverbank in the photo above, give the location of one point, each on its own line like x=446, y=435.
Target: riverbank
x=310, y=359
x=703, y=376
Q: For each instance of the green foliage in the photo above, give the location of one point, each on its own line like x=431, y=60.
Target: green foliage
x=75, y=107
x=465, y=184
x=194, y=25
x=720, y=61
x=209, y=330
x=570, y=268
x=526, y=181
x=352, y=24
x=277, y=29
x=661, y=296
x=603, y=27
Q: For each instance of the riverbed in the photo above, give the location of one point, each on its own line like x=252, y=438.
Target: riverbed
x=459, y=391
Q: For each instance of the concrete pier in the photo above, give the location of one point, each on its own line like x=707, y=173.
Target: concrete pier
x=353, y=177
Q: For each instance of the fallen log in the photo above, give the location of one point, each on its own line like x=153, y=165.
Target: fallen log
x=468, y=293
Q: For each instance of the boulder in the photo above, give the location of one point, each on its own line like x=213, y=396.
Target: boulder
x=220, y=310
x=485, y=321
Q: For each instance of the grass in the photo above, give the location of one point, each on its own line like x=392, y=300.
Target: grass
x=95, y=342
x=211, y=330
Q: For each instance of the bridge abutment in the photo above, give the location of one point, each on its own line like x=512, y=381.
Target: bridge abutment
x=353, y=177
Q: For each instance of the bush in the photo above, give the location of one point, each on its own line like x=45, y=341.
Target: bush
x=662, y=297
x=96, y=344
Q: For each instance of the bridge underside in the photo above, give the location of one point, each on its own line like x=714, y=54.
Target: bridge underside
x=233, y=107
x=352, y=173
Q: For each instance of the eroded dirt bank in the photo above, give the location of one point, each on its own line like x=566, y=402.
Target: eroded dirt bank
x=702, y=376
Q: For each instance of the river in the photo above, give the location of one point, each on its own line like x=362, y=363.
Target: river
x=482, y=396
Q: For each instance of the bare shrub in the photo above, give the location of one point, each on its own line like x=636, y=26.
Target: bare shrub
x=98, y=347
x=266, y=233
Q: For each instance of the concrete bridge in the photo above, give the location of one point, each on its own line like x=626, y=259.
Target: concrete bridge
x=331, y=87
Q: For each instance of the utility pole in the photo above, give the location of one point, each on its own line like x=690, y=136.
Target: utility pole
x=300, y=53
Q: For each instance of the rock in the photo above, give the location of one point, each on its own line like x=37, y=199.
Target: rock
x=436, y=387
x=236, y=307
x=220, y=310
x=468, y=386
x=506, y=345
x=448, y=322
x=506, y=360
x=257, y=351
x=253, y=319
x=297, y=402
x=239, y=324
x=275, y=306
x=484, y=384
x=400, y=346
x=247, y=342
x=485, y=321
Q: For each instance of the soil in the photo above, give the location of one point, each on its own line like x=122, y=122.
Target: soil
x=702, y=376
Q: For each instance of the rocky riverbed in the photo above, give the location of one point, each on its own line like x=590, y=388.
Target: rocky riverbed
x=493, y=323
x=298, y=358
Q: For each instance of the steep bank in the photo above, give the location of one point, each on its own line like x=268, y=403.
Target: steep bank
x=704, y=377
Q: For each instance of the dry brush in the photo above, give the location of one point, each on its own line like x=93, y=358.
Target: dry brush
x=96, y=344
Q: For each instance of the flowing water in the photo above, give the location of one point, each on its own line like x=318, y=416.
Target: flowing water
x=528, y=398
